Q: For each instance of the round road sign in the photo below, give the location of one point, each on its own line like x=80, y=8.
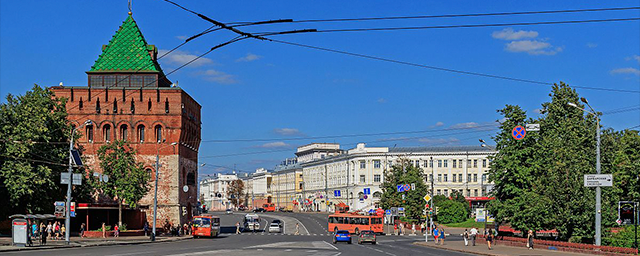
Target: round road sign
x=518, y=132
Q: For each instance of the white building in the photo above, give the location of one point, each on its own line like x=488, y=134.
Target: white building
x=214, y=191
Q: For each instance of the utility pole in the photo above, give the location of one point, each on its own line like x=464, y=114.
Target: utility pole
x=326, y=194
x=67, y=219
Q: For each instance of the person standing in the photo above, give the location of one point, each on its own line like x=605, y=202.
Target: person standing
x=442, y=235
x=56, y=230
x=43, y=233
x=146, y=228
x=63, y=229
x=82, y=227
x=422, y=227
x=116, y=230
x=104, y=230
x=530, y=239
x=474, y=233
x=489, y=238
x=413, y=228
x=436, y=234
x=237, y=228
x=297, y=228
x=395, y=229
x=465, y=236
x=49, y=230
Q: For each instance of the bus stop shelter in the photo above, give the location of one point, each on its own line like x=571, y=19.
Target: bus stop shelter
x=22, y=233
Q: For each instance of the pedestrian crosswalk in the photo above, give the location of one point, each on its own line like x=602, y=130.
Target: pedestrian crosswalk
x=279, y=234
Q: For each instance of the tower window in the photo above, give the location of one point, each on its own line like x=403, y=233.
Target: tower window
x=123, y=132
x=106, y=131
x=166, y=105
x=191, y=179
x=115, y=106
x=80, y=104
x=98, y=106
x=141, y=133
x=158, y=133
x=133, y=106
x=89, y=133
x=149, y=105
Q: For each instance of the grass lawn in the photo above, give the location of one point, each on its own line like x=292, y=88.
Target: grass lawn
x=470, y=223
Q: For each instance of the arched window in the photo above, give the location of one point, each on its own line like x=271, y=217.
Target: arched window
x=141, y=133
x=89, y=133
x=158, y=133
x=123, y=132
x=377, y=194
x=106, y=132
x=191, y=179
x=150, y=173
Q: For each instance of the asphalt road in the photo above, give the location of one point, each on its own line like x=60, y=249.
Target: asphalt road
x=317, y=242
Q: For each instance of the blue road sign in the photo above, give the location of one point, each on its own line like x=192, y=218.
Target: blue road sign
x=400, y=188
x=367, y=191
x=518, y=132
x=387, y=212
x=407, y=187
x=336, y=193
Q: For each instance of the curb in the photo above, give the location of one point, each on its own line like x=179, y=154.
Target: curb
x=74, y=245
x=452, y=249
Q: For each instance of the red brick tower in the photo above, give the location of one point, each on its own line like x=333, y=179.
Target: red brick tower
x=128, y=98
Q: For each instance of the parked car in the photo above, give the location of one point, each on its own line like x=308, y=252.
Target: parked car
x=275, y=227
x=242, y=208
x=342, y=236
x=258, y=210
x=367, y=236
x=229, y=211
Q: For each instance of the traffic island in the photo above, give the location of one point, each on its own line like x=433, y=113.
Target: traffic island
x=5, y=246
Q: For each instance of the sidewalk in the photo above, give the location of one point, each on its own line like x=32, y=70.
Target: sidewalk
x=481, y=249
x=5, y=242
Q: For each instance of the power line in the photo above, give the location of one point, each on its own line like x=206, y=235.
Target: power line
x=458, y=15
x=443, y=69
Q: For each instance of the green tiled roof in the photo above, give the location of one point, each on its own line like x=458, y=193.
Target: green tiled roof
x=126, y=51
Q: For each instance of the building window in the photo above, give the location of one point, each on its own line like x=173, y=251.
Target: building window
x=95, y=81
x=376, y=178
x=136, y=81
x=133, y=107
x=446, y=192
x=439, y=163
x=418, y=163
x=484, y=177
x=469, y=177
x=455, y=162
x=426, y=163
x=431, y=177
x=80, y=104
x=97, y=105
x=376, y=164
x=431, y=163
x=106, y=131
x=438, y=192
x=484, y=163
x=362, y=179
x=109, y=81
x=439, y=177
x=460, y=178
x=446, y=178
x=141, y=133
x=475, y=177
x=191, y=179
x=468, y=162
x=363, y=164
x=158, y=133
x=455, y=178
x=377, y=194
x=166, y=105
x=475, y=163
x=123, y=132
x=446, y=163
x=475, y=192
x=89, y=131
x=468, y=192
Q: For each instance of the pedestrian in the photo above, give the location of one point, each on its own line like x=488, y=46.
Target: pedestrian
x=184, y=229
x=63, y=229
x=56, y=230
x=413, y=228
x=401, y=228
x=116, y=231
x=474, y=233
x=465, y=235
x=43, y=233
x=395, y=229
x=82, y=227
x=49, y=230
x=489, y=238
x=436, y=234
x=530, y=240
x=146, y=227
x=442, y=235
x=237, y=228
x=34, y=229
x=104, y=230
x=422, y=227
x=297, y=228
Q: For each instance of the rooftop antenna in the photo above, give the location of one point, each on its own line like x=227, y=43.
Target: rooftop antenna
x=130, y=7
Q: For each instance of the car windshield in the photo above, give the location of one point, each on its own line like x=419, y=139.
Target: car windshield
x=343, y=232
x=202, y=222
x=276, y=221
x=275, y=225
x=366, y=233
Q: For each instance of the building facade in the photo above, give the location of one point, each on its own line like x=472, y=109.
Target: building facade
x=215, y=191
x=287, y=185
x=128, y=97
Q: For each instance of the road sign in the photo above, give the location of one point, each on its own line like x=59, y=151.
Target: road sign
x=400, y=188
x=518, y=132
x=598, y=180
x=407, y=187
x=77, y=178
x=387, y=212
x=533, y=127
x=59, y=208
x=367, y=191
x=73, y=209
x=626, y=212
x=413, y=186
x=427, y=198
x=336, y=193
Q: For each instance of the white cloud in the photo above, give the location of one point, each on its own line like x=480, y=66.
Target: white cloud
x=440, y=141
x=287, y=131
x=438, y=124
x=509, y=34
x=249, y=57
x=634, y=57
x=217, y=76
x=532, y=47
x=180, y=58
x=465, y=125
x=537, y=111
x=277, y=144
x=382, y=100
x=592, y=45
x=633, y=71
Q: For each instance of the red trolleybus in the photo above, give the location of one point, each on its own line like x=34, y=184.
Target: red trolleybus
x=206, y=225
x=355, y=223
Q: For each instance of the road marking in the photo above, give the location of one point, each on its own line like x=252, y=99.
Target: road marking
x=288, y=250
x=377, y=250
x=335, y=248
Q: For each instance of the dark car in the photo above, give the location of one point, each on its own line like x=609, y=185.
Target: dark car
x=258, y=210
x=342, y=236
x=367, y=236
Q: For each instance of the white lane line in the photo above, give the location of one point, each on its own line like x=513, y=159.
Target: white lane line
x=377, y=250
x=335, y=248
x=288, y=250
x=390, y=254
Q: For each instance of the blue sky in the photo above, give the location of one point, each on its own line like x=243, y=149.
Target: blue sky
x=257, y=89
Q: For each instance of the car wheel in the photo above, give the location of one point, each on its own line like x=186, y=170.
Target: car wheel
x=349, y=242
x=334, y=241
x=373, y=243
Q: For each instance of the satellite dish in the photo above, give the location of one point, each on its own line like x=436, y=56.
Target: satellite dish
x=185, y=188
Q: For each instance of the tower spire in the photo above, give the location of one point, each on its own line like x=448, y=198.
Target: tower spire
x=130, y=12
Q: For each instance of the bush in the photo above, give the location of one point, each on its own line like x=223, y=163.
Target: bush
x=123, y=227
x=451, y=212
x=108, y=228
x=624, y=238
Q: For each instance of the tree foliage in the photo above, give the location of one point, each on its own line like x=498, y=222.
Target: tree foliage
x=450, y=211
x=128, y=181
x=235, y=192
x=34, y=150
x=539, y=179
x=404, y=173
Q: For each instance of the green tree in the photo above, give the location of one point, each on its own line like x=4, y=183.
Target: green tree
x=34, y=135
x=235, y=192
x=459, y=197
x=451, y=211
x=404, y=173
x=128, y=181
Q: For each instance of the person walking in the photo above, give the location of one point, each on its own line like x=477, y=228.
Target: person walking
x=56, y=230
x=395, y=229
x=465, y=236
x=442, y=236
x=489, y=238
x=63, y=229
x=436, y=234
x=530, y=239
x=422, y=227
x=82, y=227
x=474, y=233
x=413, y=228
x=297, y=228
x=146, y=228
x=104, y=230
x=237, y=228
x=49, y=230
x=116, y=230
x=43, y=233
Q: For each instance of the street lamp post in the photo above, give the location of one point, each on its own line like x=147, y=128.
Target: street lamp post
x=67, y=219
x=155, y=197
x=598, y=190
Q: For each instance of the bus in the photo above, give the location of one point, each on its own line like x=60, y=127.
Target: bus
x=206, y=225
x=269, y=207
x=355, y=223
x=251, y=222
